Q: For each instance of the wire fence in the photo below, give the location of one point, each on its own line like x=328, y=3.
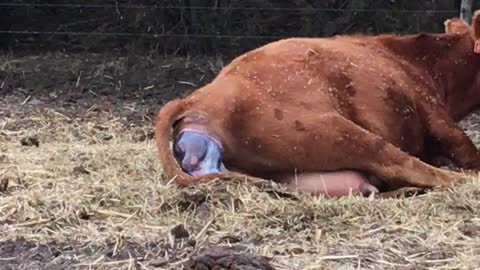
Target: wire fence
x=230, y=27
x=207, y=8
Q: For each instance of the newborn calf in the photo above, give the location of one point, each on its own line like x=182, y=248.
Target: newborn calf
x=198, y=154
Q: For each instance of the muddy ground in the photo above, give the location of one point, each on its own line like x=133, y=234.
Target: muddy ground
x=81, y=186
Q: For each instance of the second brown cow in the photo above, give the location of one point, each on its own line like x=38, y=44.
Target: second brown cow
x=346, y=108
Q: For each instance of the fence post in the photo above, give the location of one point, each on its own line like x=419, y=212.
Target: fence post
x=466, y=11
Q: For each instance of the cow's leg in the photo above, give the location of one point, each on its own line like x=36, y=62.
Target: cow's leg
x=453, y=142
x=353, y=147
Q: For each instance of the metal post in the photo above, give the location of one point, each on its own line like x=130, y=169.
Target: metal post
x=466, y=11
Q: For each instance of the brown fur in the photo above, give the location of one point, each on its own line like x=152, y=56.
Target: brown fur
x=362, y=103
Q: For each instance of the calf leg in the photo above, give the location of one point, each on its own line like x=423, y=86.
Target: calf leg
x=454, y=143
x=353, y=147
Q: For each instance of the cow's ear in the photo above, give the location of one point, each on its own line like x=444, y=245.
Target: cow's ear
x=456, y=26
x=476, y=25
x=475, y=31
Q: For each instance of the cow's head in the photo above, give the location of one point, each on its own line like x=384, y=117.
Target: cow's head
x=462, y=65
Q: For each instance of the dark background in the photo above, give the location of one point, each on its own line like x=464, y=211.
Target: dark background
x=201, y=27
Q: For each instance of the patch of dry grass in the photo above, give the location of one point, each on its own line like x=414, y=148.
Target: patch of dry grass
x=93, y=187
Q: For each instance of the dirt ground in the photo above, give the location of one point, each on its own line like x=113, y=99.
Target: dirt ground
x=81, y=186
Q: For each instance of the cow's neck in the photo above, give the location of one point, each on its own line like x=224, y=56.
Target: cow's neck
x=451, y=63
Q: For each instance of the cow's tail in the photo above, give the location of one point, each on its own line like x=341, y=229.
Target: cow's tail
x=166, y=117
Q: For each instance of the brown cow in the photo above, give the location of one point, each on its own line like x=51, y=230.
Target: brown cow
x=332, y=111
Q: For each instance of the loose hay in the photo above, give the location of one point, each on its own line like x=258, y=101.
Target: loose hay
x=91, y=195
